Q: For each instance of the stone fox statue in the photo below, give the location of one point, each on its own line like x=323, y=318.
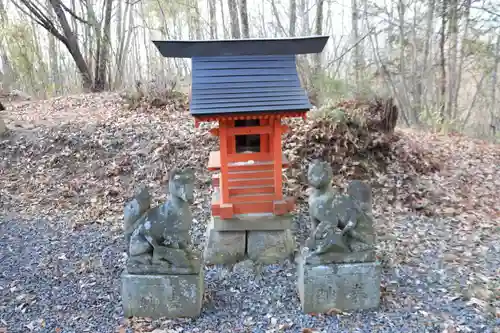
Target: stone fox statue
x=159, y=236
x=340, y=223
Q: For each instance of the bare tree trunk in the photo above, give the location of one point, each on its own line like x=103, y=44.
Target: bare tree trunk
x=244, y=19
x=74, y=23
x=426, y=52
x=263, y=6
x=390, y=33
x=53, y=57
x=354, y=41
x=124, y=44
x=318, y=30
x=466, y=17
x=146, y=42
x=9, y=75
x=71, y=43
x=304, y=60
x=101, y=73
x=233, y=16
x=277, y=18
x=196, y=20
x=119, y=21
x=213, y=18
x=403, y=87
x=117, y=80
x=494, y=113
x=224, y=25
x=293, y=18
x=89, y=50
x=304, y=16
x=137, y=56
x=452, y=56
x=442, y=60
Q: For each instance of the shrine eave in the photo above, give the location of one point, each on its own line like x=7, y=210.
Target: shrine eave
x=241, y=47
x=248, y=116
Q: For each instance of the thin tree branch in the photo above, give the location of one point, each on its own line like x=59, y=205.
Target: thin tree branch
x=73, y=14
x=40, y=18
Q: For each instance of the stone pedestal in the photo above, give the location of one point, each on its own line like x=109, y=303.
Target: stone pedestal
x=223, y=247
x=271, y=246
x=155, y=296
x=3, y=128
x=353, y=286
x=263, y=238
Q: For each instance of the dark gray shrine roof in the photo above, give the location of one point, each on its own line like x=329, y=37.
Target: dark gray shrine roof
x=240, y=47
x=245, y=75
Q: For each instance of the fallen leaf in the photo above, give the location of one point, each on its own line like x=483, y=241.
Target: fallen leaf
x=30, y=326
x=334, y=311
x=308, y=330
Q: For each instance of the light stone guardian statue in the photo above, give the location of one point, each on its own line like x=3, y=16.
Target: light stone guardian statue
x=163, y=276
x=337, y=267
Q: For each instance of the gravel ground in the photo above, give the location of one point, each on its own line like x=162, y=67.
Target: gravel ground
x=56, y=279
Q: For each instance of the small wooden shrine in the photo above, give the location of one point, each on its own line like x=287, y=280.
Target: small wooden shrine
x=248, y=86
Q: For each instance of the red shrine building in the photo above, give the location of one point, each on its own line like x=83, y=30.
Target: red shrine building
x=247, y=86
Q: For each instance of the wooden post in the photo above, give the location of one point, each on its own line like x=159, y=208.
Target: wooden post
x=264, y=138
x=276, y=138
x=224, y=169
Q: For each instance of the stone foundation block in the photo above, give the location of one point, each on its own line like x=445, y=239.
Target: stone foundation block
x=270, y=247
x=156, y=296
x=3, y=128
x=345, y=287
x=223, y=247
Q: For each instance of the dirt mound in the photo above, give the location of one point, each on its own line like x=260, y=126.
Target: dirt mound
x=155, y=95
x=375, y=115
x=359, y=141
x=13, y=95
x=89, y=153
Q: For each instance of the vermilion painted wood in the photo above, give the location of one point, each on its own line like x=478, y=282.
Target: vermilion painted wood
x=244, y=157
x=215, y=180
x=256, y=189
x=249, y=187
x=215, y=209
x=280, y=207
x=226, y=211
x=231, y=139
x=284, y=129
x=224, y=169
x=276, y=207
x=264, y=138
x=254, y=174
x=214, y=162
x=249, y=130
x=287, y=114
x=251, y=182
x=251, y=167
x=251, y=198
x=278, y=166
x=253, y=207
x=256, y=207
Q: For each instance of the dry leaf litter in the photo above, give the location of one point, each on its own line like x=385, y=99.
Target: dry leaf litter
x=69, y=164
